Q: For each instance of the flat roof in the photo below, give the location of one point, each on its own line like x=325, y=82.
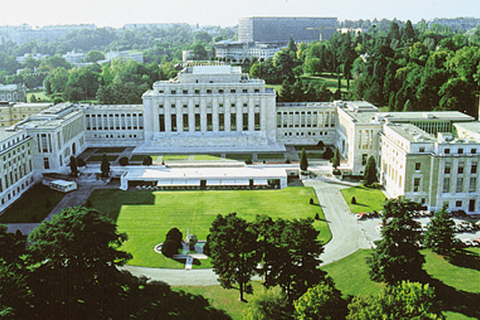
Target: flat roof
x=164, y=172
x=473, y=126
x=412, y=133
x=4, y=134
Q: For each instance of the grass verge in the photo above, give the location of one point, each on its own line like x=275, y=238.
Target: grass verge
x=97, y=157
x=368, y=199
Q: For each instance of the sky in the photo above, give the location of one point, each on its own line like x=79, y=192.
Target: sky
x=117, y=13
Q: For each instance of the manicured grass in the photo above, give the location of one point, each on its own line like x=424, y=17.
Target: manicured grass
x=368, y=199
x=308, y=147
x=175, y=157
x=140, y=157
x=330, y=81
x=33, y=206
x=223, y=299
x=239, y=156
x=271, y=156
x=457, y=286
x=38, y=94
x=207, y=157
x=147, y=216
x=110, y=150
x=311, y=155
x=98, y=157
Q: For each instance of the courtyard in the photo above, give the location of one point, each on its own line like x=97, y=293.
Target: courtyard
x=146, y=216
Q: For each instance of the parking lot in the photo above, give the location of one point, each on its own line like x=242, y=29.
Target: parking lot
x=371, y=228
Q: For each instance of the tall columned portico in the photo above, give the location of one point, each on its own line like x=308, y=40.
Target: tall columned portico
x=210, y=107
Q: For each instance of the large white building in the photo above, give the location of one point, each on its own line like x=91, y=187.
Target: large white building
x=430, y=157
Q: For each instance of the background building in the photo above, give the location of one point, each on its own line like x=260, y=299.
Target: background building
x=13, y=92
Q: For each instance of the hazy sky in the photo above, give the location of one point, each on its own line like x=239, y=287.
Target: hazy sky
x=117, y=13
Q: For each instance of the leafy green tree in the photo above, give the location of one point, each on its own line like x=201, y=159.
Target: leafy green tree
x=105, y=166
x=147, y=161
x=396, y=256
x=266, y=304
x=94, y=56
x=440, y=235
x=232, y=245
x=199, y=52
x=370, y=174
x=55, y=81
x=336, y=159
x=74, y=259
x=290, y=250
x=303, y=160
x=407, y=300
x=321, y=302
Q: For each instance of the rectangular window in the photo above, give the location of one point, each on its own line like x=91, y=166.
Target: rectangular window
x=418, y=166
x=172, y=106
x=46, y=163
x=174, y=122
x=459, y=187
x=473, y=185
x=422, y=149
x=198, y=126
x=364, y=159
x=458, y=203
x=185, y=122
x=232, y=91
x=416, y=184
x=185, y=91
x=257, y=121
x=197, y=91
x=245, y=122
x=447, y=168
x=460, y=150
x=221, y=122
x=161, y=122
x=447, y=151
x=209, y=122
x=220, y=91
x=474, y=150
x=473, y=169
x=460, y=168
x=233, y=122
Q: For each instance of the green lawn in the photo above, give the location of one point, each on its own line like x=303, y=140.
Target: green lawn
x=147, y=216
x=308, y=147
x=368, y=199
x=38, y=94
x=170, y=157
x=33, y=206
x=239, y=156
x=310, y=155
x=330, y=81
x=457, y=286
x=110, y=150
x=98, y=157
x=207, y=157
x=271, y=156
x=140, y=157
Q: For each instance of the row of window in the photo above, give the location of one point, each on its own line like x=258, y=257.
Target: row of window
x=304, y=119
x=308, y=133
x=461, y=168
x=10, y=178
x=197, y=106
x=460, y=151
x=129, y=121
x=118, y=136
x=17, y=191
x=207, y=91
x=459, y=188
x=185, y=119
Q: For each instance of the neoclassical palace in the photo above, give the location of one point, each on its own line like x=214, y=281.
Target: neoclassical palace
x=430, y=157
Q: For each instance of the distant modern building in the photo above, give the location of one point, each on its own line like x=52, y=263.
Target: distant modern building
x=262, y=37
x=281, y=29
x=24, y=33
x=11, y=113
x=461, y=23
x=74, y=57
x=13, y=92
x=137, y=56
x=34, y=56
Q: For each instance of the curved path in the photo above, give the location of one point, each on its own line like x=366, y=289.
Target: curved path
x=347, y=238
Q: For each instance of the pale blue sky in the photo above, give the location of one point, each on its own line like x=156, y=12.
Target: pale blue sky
x=117, y=13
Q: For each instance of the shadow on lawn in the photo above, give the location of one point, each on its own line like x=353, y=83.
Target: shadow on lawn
x=110, y=201
x=452, y=299
x=465, y=259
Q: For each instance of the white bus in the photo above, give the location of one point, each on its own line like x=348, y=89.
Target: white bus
x=62, y=185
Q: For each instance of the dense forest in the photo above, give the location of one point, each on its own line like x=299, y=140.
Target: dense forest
x=391, y=64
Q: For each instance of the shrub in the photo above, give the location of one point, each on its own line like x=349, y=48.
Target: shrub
x=328, y=154
x=170, y=247
x=81, y=162
x=174, y=234
x=147, y=161
x=317, y=216
x=123, y=161
x=248, y=161
x=89, y=204
x=354, y=201
x=287, y=161
x=320, y=144
x=311, y=200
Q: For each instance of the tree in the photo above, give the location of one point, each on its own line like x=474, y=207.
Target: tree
x=199, y=52
x=232, y=245
x=74, y=259
x=407, y=300
x=370, y=174
x=303, y=160
x=94, y=56
x=147, y=161
x=396, y=256
x=105, y=166
x=320, y=302
x=440, y=235
x=336, y=159
x=73, y=166
x=291, y=251
x=266, y=304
